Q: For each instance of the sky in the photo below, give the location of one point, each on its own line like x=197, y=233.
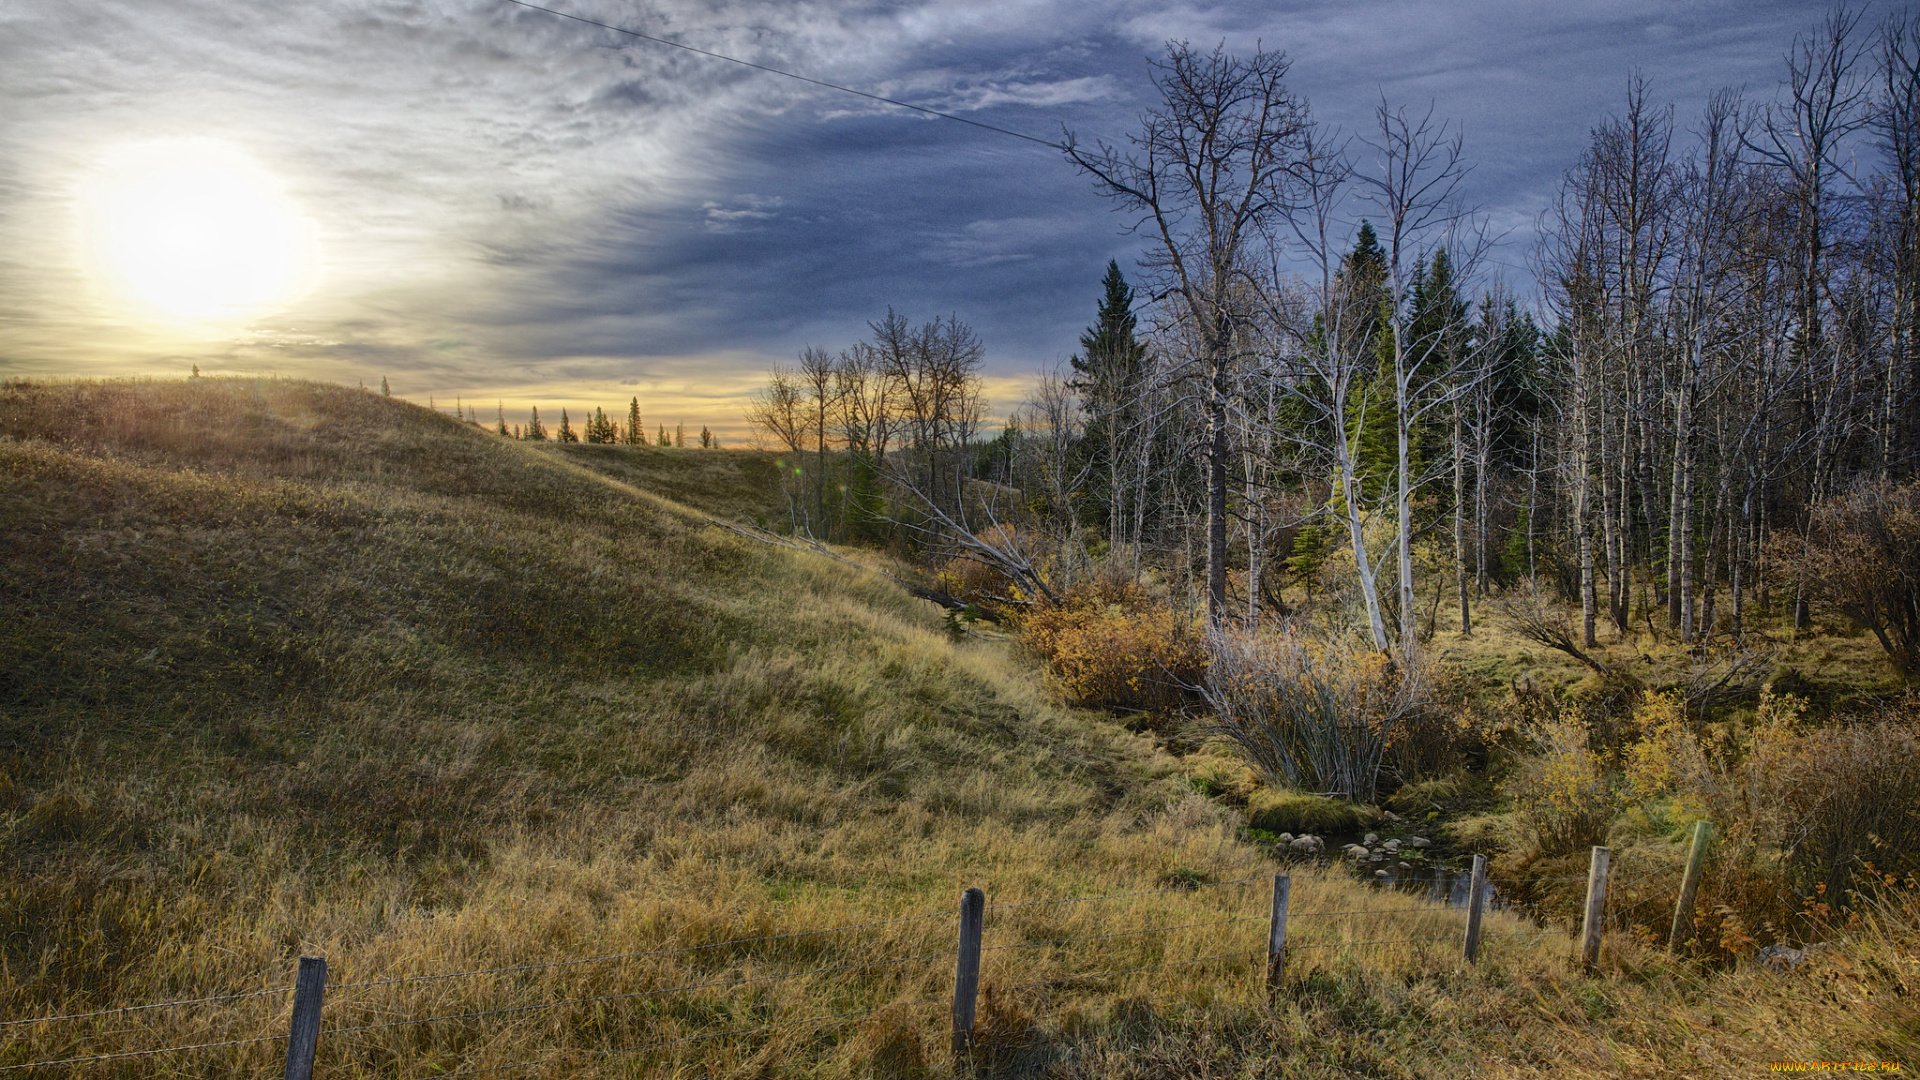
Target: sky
x=478, y=202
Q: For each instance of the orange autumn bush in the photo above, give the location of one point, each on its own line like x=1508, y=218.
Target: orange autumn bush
x=1114, y=648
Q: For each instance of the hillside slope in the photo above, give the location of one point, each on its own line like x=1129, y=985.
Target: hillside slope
x=296, y=667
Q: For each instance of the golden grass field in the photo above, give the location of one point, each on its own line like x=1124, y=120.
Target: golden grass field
x=297, y=669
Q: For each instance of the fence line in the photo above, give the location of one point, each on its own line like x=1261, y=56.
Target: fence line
x=309, y=992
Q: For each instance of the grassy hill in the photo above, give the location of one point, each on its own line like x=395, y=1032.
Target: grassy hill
x=300, y=668
x=293, y=668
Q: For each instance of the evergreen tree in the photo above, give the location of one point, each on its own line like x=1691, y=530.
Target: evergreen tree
x=1108, y=372
x=567, y=433
x=535, y=430
x=706, y=438
x=680, y=436
x=600, y=430
x=384, y=391
x=665, y=439
x=1311, y=546
x=500, y=417
x=636, y=431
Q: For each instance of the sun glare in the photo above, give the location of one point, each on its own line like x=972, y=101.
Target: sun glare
x=195, y=229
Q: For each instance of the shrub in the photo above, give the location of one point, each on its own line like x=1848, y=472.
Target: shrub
x=1561, y=796
x=1132, y=656
x=1861, y=557
x=1311, y=712
x=1851, y=801
x=1449, y=731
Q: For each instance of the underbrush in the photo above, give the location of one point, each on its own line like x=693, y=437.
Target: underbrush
x=1812, y=822
x=1115, y=648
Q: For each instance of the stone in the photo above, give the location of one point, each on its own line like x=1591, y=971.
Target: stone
x=1419, y=842
x=1391, y=845
x=1372, y=839
x=1357, y=852
x=1381, y=874
x=1309, y=844
x=1406, y=866
x=1286, y=838
x=1780, y=957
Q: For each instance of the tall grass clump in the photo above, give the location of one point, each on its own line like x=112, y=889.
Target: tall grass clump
x=1312, y=710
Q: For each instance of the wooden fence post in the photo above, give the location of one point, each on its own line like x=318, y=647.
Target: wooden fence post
x=966, y=972
x=1277, y=933
x=1690, y=884
x=1596, y=908
x=303, y=1033
x=1476, y=898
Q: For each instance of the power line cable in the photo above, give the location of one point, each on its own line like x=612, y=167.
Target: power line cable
x=789, y=74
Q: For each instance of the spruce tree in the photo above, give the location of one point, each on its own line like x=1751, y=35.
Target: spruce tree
x=384, y=391
x=665, y=440
x=706, y=438
x=500, y=417
x=566, y=428
x=536, y=431
x=1108, y=372
x=636, y=432
x=680, y=436
x=601, y=430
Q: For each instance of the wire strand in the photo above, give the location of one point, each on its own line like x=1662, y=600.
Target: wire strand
x=1132, y=971
x=139, y=1008
x=1120, y=934
x=1291, y=947
x=1291, y=915
x=141, y=1053
x=791, y=75
x=688, y=1039
x=1123, y=895
x=637, y=955
x=635, y=994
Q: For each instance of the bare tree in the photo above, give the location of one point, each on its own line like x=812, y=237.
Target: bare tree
x=779, y=410
x=1210, y=167
x=1415, y=187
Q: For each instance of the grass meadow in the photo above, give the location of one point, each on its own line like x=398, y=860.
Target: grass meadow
x=299, y=669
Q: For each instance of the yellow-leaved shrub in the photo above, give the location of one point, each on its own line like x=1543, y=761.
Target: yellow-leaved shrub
x=1561, y=796
x=1114, y=648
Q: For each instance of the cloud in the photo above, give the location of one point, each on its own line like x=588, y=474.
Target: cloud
x=506, y=199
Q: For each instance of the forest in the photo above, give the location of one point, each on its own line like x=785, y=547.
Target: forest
x=1319, y=449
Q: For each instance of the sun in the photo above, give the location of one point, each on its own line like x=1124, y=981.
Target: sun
x=195, y=230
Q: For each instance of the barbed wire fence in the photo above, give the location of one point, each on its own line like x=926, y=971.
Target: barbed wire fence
x=660, y=1001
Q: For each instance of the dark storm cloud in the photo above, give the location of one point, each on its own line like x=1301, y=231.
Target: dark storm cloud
x=508, y=199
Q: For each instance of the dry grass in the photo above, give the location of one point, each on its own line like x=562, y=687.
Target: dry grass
x=298, y=669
